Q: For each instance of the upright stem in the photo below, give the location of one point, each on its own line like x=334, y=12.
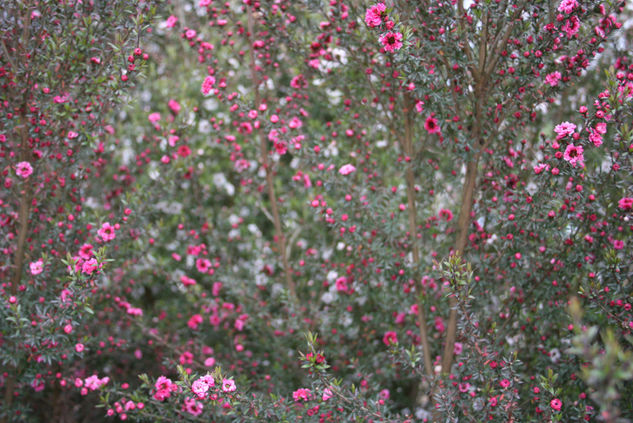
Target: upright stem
x=23, y=215
x=481, y=75
x=280, y=237
x=18, y=256
x=463, y=225
x=407, y=142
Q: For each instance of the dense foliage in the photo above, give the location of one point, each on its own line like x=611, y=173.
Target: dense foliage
x=316, y=210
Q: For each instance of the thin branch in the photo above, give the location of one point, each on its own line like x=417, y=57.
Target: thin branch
x=280, y=237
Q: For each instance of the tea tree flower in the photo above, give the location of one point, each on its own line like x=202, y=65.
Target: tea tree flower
x=392, y=41
x=373, y=15
x=24, y=169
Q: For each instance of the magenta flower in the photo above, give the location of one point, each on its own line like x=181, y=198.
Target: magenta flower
x=626, y=203
x=567, y=6
x=392, y=41
x=228, y=385
x=556, y=404
x=24, y=169
x=207, y=85
x=553, y=78
x=390, y=338
x=431, y=125
x=574, y=155
x=154, y=117
x=346, y=169
x=107, y=232
x=301, y=394
x=564, y=129
x=171, y=21
x=200, y=388
x=36, y=267
x=193, y=407
x=373, y=15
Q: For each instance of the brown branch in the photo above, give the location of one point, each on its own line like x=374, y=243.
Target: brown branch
x=407, y=142
x=280, y=237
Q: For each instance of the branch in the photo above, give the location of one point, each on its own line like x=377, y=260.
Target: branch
x=279, y=234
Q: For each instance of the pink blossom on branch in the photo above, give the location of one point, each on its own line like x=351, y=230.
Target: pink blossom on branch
x=574, y=155
x=390, y=338
x=626, y=203
x=301, y=394
x=553, y=78
x=346, y=169
x=373, y=15
x=36, y=267
x=564, y=129
x=392, y=41
x=567, y=6
x=228, y=385
x=106, y=232
x=431, y=125
x=24, y=169
x=207, y=85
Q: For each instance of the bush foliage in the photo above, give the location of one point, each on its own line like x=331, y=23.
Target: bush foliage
x=314, y=210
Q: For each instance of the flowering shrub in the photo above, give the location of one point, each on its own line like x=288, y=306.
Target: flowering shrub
x=436, y=196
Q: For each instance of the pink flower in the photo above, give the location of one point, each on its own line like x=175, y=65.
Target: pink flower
x=154, y=117
x=439, y=324
x=556, y=404
x=553, y=78
x=567, y=6
x=228, y=385
x=390, y=338
x=36, y=267
x=595, y=137
x=24, y=169
x=207, y=84
x=301, y=394
x=174, y=106
x=346, y=169
x=171, y=21
x=193, y=407
x=164, y=387
x=203, y=265
x=626, y=203
x=93, y=382
x=392, y=41
x=601, y=128
x=194, y=321
x=187, y=281
x=200, y=388
x=89, y=266
x=327, y=394
x=572, y=26
x=373, y=15
x=79, y=347
x=431, y=125
x=458, y=348
x=341, y=284
x=574, y=155
x=106, y=232
x=85, y=252
x=564, y=129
